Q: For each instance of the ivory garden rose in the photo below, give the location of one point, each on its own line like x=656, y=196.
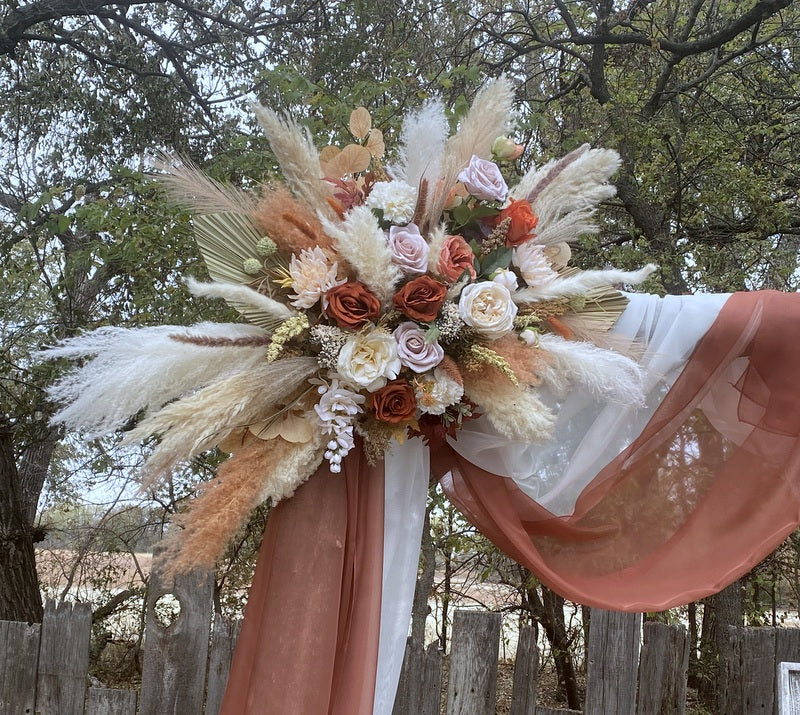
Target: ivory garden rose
x=369, y=360
x=487, y=306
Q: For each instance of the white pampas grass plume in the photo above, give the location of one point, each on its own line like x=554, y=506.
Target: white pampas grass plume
x=187, y=185
x=567, y=229
x=435, y=243
x=241, y=295
x=577, y=181
x=204, y=419
x=517, y=413
x=136, y=369
x=360, y=241
x=489, y=117
x=422, y=143
x=603, y=373
x=580, y=282
x=298, y=158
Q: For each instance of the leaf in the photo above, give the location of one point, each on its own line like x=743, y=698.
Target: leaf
x=501, y=258
x=329, y=153
x=351, y=160
x=360, y=122
x=375, y=143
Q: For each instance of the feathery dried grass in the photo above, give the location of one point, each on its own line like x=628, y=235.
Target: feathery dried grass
x=581, y=282
x=292, y=225
x=274, y=311
x=525, y=360
x=422, y=142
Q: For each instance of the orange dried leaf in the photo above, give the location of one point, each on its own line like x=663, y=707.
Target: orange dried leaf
x=351, y=160
x=360, y=123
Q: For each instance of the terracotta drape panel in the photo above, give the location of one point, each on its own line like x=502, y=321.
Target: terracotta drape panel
x=309, y=641
x=696, y=501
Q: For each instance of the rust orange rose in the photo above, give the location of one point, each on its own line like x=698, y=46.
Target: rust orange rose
x=456, y=257
x=523, y=221
x=352, y=304
x=421, y=298
x=394, y=402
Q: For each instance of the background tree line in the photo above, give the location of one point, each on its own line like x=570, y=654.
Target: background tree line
x=700, y=97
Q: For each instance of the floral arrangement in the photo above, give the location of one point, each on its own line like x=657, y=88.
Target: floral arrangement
x=383, y=301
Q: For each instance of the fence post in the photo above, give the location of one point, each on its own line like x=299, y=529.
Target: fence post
x=19, y=646
x=63, y=659
x=430, y=703
x=613, y=662
x=175, y=657
x=526, y=673
x=750, y=671
x=473, y=663
x=662, y=670
x=107, y=701
x=223, y=642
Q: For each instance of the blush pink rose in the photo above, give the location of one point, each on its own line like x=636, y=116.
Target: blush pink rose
x=413, y=350
x=409, y=249
x=484, y=180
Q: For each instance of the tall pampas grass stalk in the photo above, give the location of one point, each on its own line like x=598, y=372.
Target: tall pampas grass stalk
x=241, y=294
x=489, y=117
x=260, y=470
x=516, y=413
x=298, y=158
x=135, y=369
x=422, y=142
x=204, y=419
x=581, y=282
x=603, y=373
x=360, y=241
x=187, y=185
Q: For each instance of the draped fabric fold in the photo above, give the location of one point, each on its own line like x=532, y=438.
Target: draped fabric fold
x=709, y=488
x=309, y=641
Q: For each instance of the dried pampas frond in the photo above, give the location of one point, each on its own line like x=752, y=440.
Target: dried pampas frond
x=489, y=117
x=422, y=142
x=260, y=470
x=516, y=413
x=581, y=282
x=187, y=185
x=135, y=369
x=269, y=313
x=435, y=243
x=604, y=373
x=298, y=158
x=568, y=228
x=292, y=225
x=204, y=419
x=526, y=361
x=360, y=241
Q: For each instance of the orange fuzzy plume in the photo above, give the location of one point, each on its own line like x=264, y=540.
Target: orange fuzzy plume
x=222, y=507
x=526, y=361
x=289, y=223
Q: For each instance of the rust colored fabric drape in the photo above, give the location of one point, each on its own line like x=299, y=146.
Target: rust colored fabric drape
x=697, y=500
x=309, y=641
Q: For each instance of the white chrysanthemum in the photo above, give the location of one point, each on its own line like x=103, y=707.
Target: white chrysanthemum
x=436, y=391
x=396, y=199
x=533, y=263
x=312, y=277
x=369, y=360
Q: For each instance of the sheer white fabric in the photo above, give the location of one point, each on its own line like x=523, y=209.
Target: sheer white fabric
x=407, y=470
x=589, y=433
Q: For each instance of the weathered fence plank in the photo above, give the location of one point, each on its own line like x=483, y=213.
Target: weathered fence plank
x=662, y=670
x=751, y=670
x=19, y=656
x=105, y=701
x=526, y=673
x=175, y=657
x=63, y=659
x=788, y=688
x=420, y=688
x=473, y=663
x=613, y=662
x=223, y=642
x=551, y=711
x=430, y=703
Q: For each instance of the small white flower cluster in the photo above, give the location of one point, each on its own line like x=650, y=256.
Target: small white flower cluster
x=436, y=391
x=336, y=409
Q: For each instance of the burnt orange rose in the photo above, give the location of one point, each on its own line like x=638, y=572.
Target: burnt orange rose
x=352, y=304
x=456, y=257
x=394, y=402
x=420, y=299
x=523, y=221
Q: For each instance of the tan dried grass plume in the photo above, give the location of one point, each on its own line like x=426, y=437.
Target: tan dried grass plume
x=292, y=225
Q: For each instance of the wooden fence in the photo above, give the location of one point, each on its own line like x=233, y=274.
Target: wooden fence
x=43, y=668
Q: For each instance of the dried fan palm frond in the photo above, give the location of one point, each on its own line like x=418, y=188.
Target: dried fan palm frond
x=226, y=241
x=597, y=311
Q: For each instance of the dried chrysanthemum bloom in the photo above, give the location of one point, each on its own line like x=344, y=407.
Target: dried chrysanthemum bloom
x=533, y=263
x=396, y=199
x=436, y=391
x=313, y=275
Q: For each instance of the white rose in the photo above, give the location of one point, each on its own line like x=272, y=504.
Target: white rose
x=413, y=350
x=487, y=307
x=369, y=360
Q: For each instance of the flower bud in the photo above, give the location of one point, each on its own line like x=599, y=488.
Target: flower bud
x=505, y=149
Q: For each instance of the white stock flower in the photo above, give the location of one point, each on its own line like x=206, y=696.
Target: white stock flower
x=312, y=277
x=369, y=360
x=533, y=263
x=396, y=199
x=487, y=306
x=413, y=350
x=436, y=391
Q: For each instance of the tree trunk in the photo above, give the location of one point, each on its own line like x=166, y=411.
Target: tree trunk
x=422, y=592
x=20, y=599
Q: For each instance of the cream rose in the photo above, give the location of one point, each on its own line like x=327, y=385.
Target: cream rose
x=488, y=307
x=369, y=360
